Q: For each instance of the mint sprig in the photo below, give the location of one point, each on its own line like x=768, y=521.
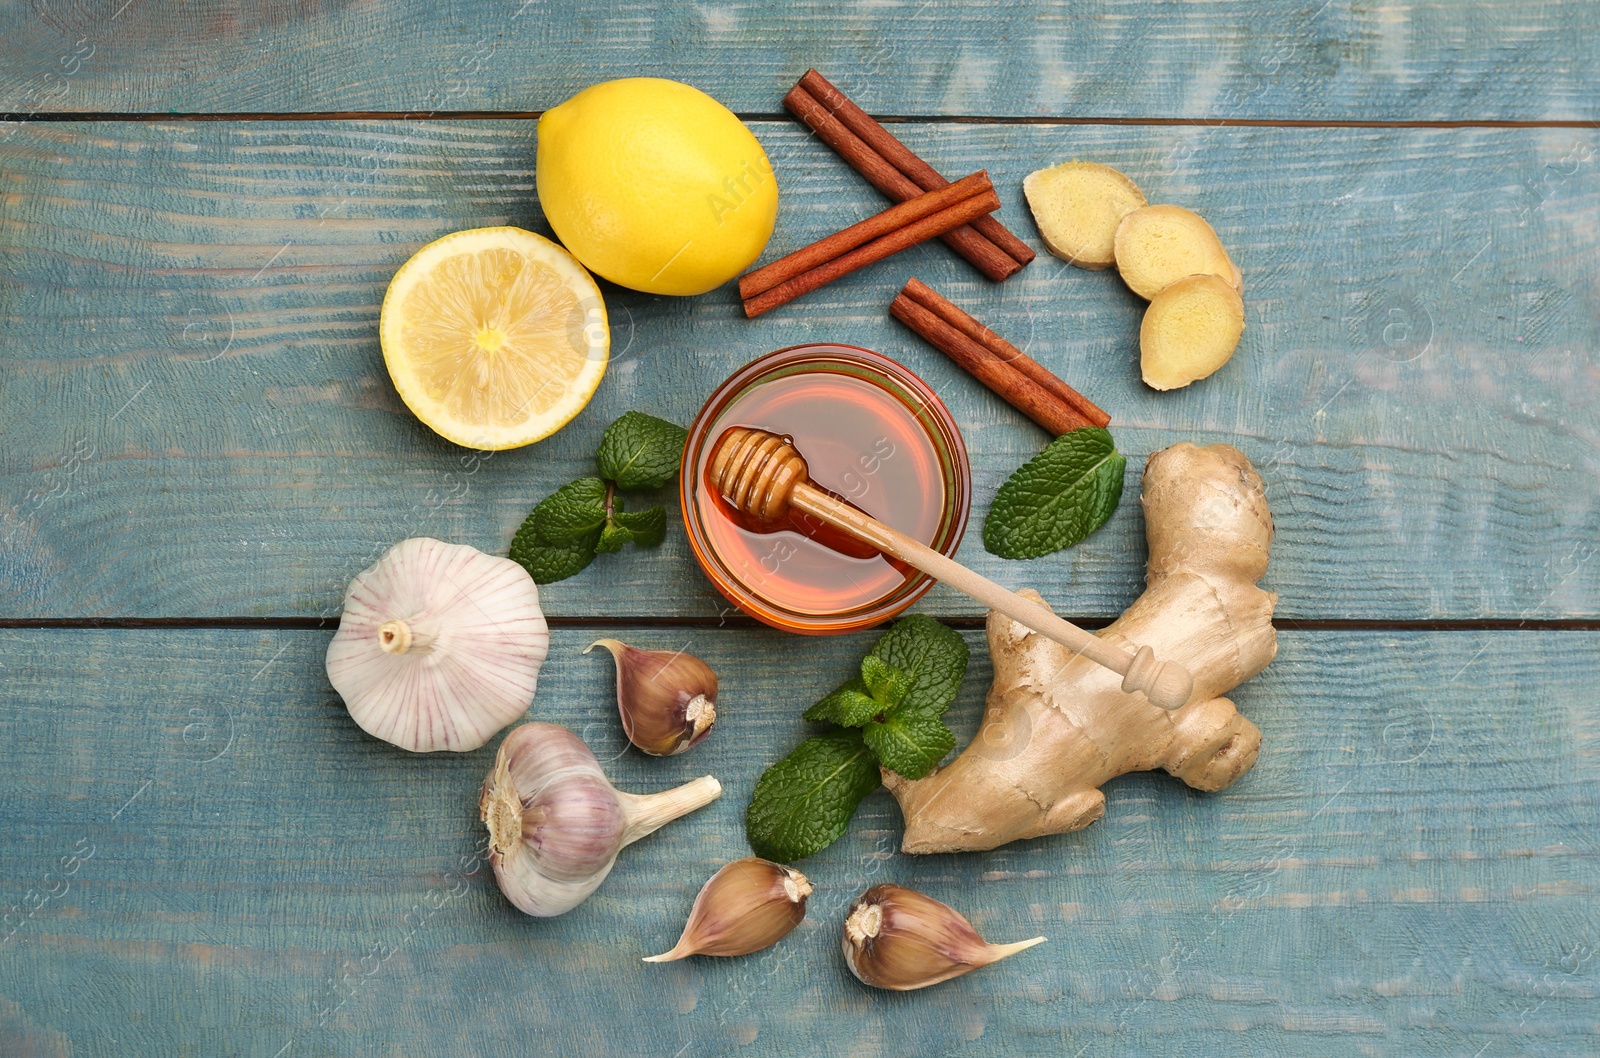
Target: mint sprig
x=889, y=715
x=583, y=518
x=1058, y=497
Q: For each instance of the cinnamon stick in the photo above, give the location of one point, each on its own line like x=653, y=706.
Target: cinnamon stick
x=982, y=254
x=936, y=303
x=874, y=227
x=1018, y=390
x=890, y=149
x=922, y=230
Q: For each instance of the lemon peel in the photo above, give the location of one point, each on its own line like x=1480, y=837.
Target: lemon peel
x=655, y=186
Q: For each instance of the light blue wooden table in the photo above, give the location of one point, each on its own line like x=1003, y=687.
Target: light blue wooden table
x=200, y=206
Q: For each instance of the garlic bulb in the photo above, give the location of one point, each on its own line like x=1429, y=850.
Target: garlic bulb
x=748, y=905
x=897, y=938
x=668, y=699
x=556, y=823
x=439, y=646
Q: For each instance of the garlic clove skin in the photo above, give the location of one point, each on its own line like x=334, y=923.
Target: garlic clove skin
x=556, y=823
x=667, y=699
x=439, y=646
x=900, y=939
x=749, y=905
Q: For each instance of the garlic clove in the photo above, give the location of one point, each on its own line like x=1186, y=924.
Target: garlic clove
x=749, y=905
x=439, y=646
x=900, y=939
x=556, y=823
x=668, y=699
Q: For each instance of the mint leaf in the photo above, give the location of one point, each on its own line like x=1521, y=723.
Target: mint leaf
x=640, y=451
x=884, y=682
x=612, y=537
x=1058, y=497
x=849, y=706
x=574, y=512
x=644, y=528
x=559, y=536
x=803, y=803
x=544, y=562
x=933, y=659
x=648, y=528
x=909, y=743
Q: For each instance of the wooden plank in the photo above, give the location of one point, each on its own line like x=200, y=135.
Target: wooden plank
x=1229, y=59
x=196, y=420
x=1410, y=869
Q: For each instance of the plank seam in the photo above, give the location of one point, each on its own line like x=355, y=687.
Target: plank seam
x=1287, y=624
x=896, y=119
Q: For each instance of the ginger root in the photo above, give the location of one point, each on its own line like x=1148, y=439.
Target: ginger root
x=1078, y=206
x=1190, y=330
x=1056, y=726
x=1158, y=245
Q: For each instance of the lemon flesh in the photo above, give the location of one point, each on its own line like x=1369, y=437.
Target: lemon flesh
x=655, y=185
x=494, y=337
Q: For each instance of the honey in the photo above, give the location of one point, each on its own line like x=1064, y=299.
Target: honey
x=871, y=434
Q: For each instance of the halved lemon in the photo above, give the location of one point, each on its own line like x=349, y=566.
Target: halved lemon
x=494, y=337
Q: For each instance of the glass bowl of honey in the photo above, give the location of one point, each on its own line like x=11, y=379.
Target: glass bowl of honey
x=873, y=434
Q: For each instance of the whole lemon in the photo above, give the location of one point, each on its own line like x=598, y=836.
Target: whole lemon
x=655, y=185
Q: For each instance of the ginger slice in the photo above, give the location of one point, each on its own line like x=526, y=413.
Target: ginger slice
x=1158, y=245
x=1189, y=331
x=1078, y=206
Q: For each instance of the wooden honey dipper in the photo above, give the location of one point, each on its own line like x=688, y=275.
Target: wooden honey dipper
x=762, y=476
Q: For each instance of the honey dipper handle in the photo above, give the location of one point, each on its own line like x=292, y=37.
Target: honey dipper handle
x=1167, y=684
